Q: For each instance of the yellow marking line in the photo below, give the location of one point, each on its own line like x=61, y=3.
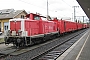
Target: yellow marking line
x=82, y=48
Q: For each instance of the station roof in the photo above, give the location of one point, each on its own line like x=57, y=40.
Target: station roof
x=10, y=13
x=85, y=5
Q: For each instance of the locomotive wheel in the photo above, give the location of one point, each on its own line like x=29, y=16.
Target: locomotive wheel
x=22, y=44
x=43, y=39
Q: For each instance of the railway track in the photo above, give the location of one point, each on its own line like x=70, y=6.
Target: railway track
x=38, y=51
x=59, y=49
x=2, y=55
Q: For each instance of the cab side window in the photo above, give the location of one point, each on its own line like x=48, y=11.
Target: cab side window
x=36, y=18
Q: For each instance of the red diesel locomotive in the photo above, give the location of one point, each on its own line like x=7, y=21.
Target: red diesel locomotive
x=32, y=30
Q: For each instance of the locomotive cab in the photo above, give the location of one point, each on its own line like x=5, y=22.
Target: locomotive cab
x=33, y=16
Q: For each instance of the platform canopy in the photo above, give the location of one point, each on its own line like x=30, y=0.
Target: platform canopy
x=85, y=4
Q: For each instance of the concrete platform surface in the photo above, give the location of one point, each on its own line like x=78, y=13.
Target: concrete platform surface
x=80, y=50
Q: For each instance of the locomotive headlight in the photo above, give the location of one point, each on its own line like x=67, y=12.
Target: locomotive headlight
x=19, y=32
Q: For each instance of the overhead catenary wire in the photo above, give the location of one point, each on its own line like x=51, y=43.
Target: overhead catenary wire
x=39, y=6
x=31, y=4
x=67, y=3
x=71, y=7
x=43, y=7
x=35, y=5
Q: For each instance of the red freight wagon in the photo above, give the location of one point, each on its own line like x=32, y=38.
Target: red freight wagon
x=73, y=26
x=69, y=26
x=88, y=25
x=80, y=26
x=65, y=26
x=61, y=26
x=85, y=25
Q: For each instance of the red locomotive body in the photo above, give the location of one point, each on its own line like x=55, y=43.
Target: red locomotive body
x=15, y=26
x=24, y=32
x=32, y=27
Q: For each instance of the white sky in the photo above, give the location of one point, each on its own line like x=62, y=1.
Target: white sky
x=57, y=8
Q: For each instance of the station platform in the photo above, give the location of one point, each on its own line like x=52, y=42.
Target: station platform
x=80, y=50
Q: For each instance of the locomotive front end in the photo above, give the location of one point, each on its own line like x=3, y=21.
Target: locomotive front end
x=15, y=34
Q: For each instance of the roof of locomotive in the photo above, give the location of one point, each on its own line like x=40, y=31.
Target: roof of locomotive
x=35, y=15
x=19, y=19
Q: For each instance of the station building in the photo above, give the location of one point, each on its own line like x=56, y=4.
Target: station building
x=7, y=14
